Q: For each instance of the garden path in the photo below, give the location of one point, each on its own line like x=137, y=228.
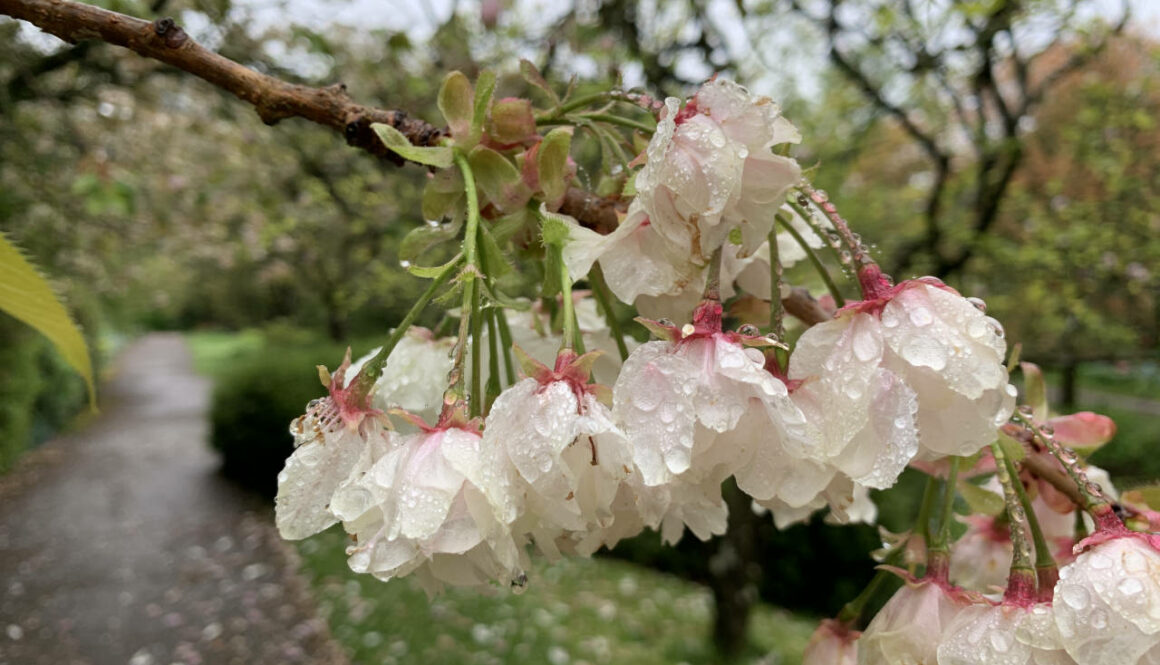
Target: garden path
x=120, y=543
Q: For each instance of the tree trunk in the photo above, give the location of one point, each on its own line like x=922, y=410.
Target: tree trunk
x=1069, y=390
x=734, y=574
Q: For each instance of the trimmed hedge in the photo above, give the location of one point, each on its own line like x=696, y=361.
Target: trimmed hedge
x=254, y=400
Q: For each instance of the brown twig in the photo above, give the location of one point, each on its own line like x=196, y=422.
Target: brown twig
x=272, y=98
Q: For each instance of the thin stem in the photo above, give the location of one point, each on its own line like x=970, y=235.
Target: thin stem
x=1093, y=499
x=1046, y=570
x=600, y=290
x=470, y=307
x=373, y=368
x=776, y=310
x=944, y=526
x=929, y=494
x=713, y=276
x=812, y=222
x=505, y=336
x=585, y=100
x=817, y=263
x=852, y=610
x=618, y=120
x=475, y=401
x=570, y=328
x=858, y=253
x=493, y=387
x=1021, y=570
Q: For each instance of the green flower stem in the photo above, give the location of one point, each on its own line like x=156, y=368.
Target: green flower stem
x=713, y=276
x=852, y=610
x=587, y=100
x=817, y=263
x=475, y=402
x=943, y=538
x=618, y=120
x=469, y=312
x=600, y=290
x=1043, y=558
x=1021, y=571
x=571, y=332
x=812, y=222
x=493, y=387
x=373, y=368
x=505, y=336
x=929, y=494
x=776, y=311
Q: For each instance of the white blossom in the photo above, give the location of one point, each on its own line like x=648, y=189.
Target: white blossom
x=412, y=510
x=910, y=626
x=710, y=169
x=1003, y=634
x=1107, y=603
x=920, y=339
x=832, y=643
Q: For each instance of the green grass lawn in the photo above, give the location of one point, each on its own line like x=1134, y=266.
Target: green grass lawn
x=214, y=351
x=573, y=612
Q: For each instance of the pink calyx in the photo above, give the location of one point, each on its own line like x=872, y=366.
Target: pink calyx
x=878, y=290
x=352, y=400
x=571, y=369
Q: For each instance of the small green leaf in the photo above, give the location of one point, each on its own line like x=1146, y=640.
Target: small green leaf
x=431, y=272
x=1035, y=391
x=443, y=196
x=532, y=75
x=455, y=103
x=484, y=88
x=1012, y=449
x=554, y=230
x=28, y=297
x=499, y=179
x=439, y=157
x=981, y=500
x=421, y=239
x=497, y=264
x=552, y=162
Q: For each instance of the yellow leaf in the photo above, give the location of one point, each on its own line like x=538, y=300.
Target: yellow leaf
x=28, y=297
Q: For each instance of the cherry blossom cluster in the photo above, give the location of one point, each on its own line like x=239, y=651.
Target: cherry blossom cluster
x=442, y=462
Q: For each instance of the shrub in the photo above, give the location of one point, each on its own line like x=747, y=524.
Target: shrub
x=254, y=400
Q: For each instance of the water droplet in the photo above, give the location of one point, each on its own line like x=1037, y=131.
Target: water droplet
x=688, y=329
x=1046, y=430
x=282, y=477
x=1099, y=619
x=978, y=304
x=433, y=223
x=1130, y=586
x=404, y=264
x=1000, y=641
x=666, y=323
x=520, y=583
x=749, y=330
x=889, y=318
x=1094, y=489
x=1025, y=410
x=996, y=327
x=845, y=256
x=803, y=200
x=1075, y=596
x=921, y=316
x=821, y=196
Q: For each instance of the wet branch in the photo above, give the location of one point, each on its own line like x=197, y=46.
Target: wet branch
x=272, y=98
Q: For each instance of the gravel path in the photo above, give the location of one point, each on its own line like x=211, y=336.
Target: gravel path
x=120, y=544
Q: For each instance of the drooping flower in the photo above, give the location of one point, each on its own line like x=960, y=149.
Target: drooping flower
x=703, y=401
x=1107, y=602
x=848, y=502
x=415, y=375
x=833, y=643
x=911, y=625
x=1007, y=633
x=328, y=439
x=932, y=343
x=564, y=456
x=710, y=169
x=413, y=510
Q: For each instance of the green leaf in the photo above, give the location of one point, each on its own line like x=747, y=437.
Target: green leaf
x=1012, y=449
x=533, y=76
x=455, y=102
x=421, y=239
x=497, y=264
x=484, y=88
x=499, y=179
x=28, y=297
x=552, y=162
x=981, y=500
x=439, y=156
x=431, y=272
x=554, y=230
x=443, y=196
x=1035, y=390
